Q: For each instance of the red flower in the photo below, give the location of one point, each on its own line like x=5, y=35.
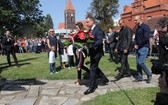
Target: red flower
x=89, y=35
x=80, y=35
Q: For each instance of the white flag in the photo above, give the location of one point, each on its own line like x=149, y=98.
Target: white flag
x=155, y=34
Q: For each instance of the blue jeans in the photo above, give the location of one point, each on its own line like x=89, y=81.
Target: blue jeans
x=52, y=68
x=20, y=49
x=141, y=55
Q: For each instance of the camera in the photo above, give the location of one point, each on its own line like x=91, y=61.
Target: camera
x=158, y=67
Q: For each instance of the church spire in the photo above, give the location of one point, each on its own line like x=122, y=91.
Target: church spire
x=69, y=14
x=69, y=6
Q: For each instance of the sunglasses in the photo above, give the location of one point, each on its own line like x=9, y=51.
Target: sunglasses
x=163, y=26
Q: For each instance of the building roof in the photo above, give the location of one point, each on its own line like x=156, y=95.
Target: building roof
x=69, y=6
x=151, y=3
x=163, y=1
x=62, y=24
x=145, y=3
x=127, y=9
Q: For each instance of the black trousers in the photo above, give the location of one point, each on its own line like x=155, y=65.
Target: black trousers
x=95, y=70
x=111, y=53
x=71, y=60
x=81, y=65
x=75, y=55
x=12, y=52
x=79, y=72
x=125, y=68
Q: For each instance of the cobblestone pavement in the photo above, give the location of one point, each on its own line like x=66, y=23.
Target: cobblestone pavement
x=60, y=92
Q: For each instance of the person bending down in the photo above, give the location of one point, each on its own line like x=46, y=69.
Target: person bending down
x=82, y=54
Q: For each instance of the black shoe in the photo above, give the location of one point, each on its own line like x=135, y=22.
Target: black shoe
x=149, y=79
x=17, y=65
x=138, y=80
x=127, y=75
x=9, y=65
x=110, y=60
x=118, y=77
x=104, y=82
x=90, y=90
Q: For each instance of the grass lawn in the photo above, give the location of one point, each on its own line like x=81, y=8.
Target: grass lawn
x=127, y=97
x=36, y=66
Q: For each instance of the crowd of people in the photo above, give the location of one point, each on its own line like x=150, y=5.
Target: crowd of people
x=26, y=45
x=74, y=49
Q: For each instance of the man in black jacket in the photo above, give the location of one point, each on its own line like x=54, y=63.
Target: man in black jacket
x=96, y=52
x=8, y=42
x=162, y=95
x=122, y=47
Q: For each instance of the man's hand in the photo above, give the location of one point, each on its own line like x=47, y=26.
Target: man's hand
x=125, y=51
x=116, y=51
x=108, y=41
x=136, y=47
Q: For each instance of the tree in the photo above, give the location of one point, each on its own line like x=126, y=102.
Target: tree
x=16, y=14
x=103, y=11
x=39, y=29
x=43, y=27
x=48, y=22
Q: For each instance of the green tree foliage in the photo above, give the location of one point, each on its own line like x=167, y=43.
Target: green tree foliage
x=43, y=27
x=48, y=22
x=15, y=14
x=103, y=11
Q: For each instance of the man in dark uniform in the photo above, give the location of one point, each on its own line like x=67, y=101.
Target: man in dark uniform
x=8, y=42
x=96, y=52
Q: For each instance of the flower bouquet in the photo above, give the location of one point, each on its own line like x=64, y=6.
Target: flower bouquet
x=83, y=39
x=67, y=41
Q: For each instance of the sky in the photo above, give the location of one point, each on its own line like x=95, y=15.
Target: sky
x=56, y=9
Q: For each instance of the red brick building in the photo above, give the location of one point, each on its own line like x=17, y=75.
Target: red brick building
x=149, y=10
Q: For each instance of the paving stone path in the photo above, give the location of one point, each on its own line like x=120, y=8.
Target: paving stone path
x=60, y=92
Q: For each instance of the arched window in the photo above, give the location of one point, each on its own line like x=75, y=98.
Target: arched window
x=149, y=17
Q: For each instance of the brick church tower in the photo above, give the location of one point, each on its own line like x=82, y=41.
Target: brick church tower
x=69, y=16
